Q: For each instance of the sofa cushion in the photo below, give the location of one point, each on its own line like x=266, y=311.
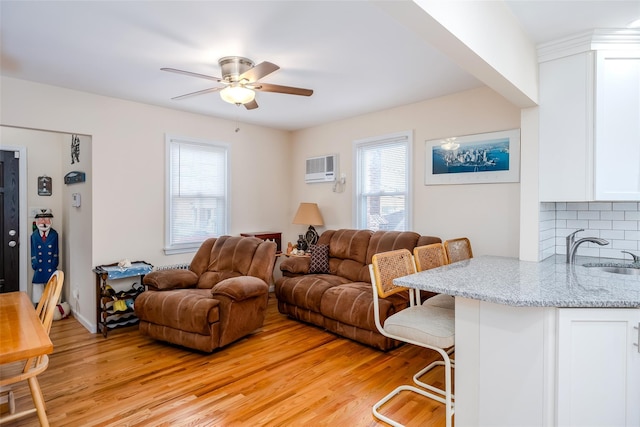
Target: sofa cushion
x=210, y=278
x=348, y=244
x=352, y=304
x=319, y=262
x=168, y=308
x=233, y=253
x=306, y=291
x=384, y=241
x=347, y=252
x=200, y=261
x=241, y=288
x=234, y=256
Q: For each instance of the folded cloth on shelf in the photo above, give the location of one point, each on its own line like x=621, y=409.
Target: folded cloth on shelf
x=136, y=269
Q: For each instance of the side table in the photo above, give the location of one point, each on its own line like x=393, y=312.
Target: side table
x=267, y=235
x=115, y=309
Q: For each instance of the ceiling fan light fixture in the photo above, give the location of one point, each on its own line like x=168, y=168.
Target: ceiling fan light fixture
x=236, y=94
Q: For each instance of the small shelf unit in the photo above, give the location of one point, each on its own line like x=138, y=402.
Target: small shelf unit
x=116, y=309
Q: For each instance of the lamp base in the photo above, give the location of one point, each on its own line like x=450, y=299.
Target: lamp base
x=311, y=236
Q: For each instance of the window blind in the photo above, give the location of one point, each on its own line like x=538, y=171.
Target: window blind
x=197, y=192
x=383, y=183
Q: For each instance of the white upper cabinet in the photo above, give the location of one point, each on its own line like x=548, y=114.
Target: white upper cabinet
x=566, y=131
x=590, y=118
x=617, y=131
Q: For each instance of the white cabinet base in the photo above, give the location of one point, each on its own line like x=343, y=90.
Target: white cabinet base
x=504, y=368
x=546, y=366
x=598, y=367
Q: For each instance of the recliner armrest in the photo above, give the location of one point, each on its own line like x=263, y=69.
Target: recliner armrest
x=240, y=288
x=296, y=265
x=171, y=279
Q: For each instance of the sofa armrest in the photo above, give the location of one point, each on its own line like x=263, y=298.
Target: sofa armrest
x=240, y=288
x=170, y=279
x=296, y=265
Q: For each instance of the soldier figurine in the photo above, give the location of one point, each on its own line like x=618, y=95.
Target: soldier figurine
x=44, y=253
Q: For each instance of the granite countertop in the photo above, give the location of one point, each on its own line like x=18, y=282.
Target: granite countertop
x=549, y=283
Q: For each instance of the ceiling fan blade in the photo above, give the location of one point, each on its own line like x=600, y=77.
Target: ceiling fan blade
x=259, y=71
x=189, y=73
x=266, y=87
x=251, y=105
x=200, y=92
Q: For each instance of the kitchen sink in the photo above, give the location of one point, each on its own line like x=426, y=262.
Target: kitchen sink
x=621, y=270
x=616, y=268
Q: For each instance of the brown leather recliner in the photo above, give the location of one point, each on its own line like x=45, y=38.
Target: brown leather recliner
x=221, y=298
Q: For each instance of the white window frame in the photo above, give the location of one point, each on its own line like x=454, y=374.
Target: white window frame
x=174, y=248
x=359, y=219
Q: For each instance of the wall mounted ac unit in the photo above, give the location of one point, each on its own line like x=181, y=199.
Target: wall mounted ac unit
x=321, y=169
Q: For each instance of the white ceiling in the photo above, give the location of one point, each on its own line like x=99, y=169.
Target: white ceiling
x=354, y=56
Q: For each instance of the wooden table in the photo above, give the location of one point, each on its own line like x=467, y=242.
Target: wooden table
x=21, y=332
x=22, y=337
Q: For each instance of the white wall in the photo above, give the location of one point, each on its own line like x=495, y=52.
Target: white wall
x=127, y=163
x=78, y=241
x=529, y=182
x=267, y=172
x=489, y=214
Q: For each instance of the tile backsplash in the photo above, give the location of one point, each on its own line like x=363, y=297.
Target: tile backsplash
x=617, y=222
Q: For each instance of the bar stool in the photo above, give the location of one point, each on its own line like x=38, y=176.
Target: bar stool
x=422, y=325
x=458, y=249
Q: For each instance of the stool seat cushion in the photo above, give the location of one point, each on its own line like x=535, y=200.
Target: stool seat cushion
x=441, y=300
x=434, y=326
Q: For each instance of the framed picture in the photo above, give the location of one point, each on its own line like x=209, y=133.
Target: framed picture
x=44, y=186
x=474, y=159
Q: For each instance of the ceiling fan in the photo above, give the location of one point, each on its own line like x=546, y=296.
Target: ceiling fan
x=240, y=81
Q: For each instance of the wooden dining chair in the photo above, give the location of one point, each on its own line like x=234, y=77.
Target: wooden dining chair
x=422, y=325
x=14, y=373
x=458, y=249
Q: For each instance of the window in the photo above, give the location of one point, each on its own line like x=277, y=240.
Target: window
x=196, y=200
x=383, y=184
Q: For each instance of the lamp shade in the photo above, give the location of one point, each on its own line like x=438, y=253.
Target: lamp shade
x=236, y=94
x=308, y=213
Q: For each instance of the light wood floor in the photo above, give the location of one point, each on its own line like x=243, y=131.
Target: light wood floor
x=286, y=374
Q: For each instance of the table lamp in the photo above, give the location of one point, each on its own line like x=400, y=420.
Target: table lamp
x=308, y=213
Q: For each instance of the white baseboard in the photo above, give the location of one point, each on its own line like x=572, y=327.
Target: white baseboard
x=89, y=326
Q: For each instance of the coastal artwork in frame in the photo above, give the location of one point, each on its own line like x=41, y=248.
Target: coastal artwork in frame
x=474, y=159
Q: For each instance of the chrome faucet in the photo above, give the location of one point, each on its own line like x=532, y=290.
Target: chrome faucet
x=635, y=257
x=574, y=246
x=570, y=239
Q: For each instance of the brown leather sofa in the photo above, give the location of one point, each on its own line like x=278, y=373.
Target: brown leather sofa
x=221, y=298
x=341, y=299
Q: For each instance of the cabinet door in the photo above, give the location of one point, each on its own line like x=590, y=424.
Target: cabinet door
x=617, y=152
x=566, y=128
x=598, y=367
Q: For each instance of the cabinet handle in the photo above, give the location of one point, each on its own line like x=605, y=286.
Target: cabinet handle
x=637, y=344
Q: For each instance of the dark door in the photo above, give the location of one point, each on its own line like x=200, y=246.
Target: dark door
x=9, y=221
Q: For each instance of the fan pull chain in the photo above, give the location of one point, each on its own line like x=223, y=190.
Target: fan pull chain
x=235, y=118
